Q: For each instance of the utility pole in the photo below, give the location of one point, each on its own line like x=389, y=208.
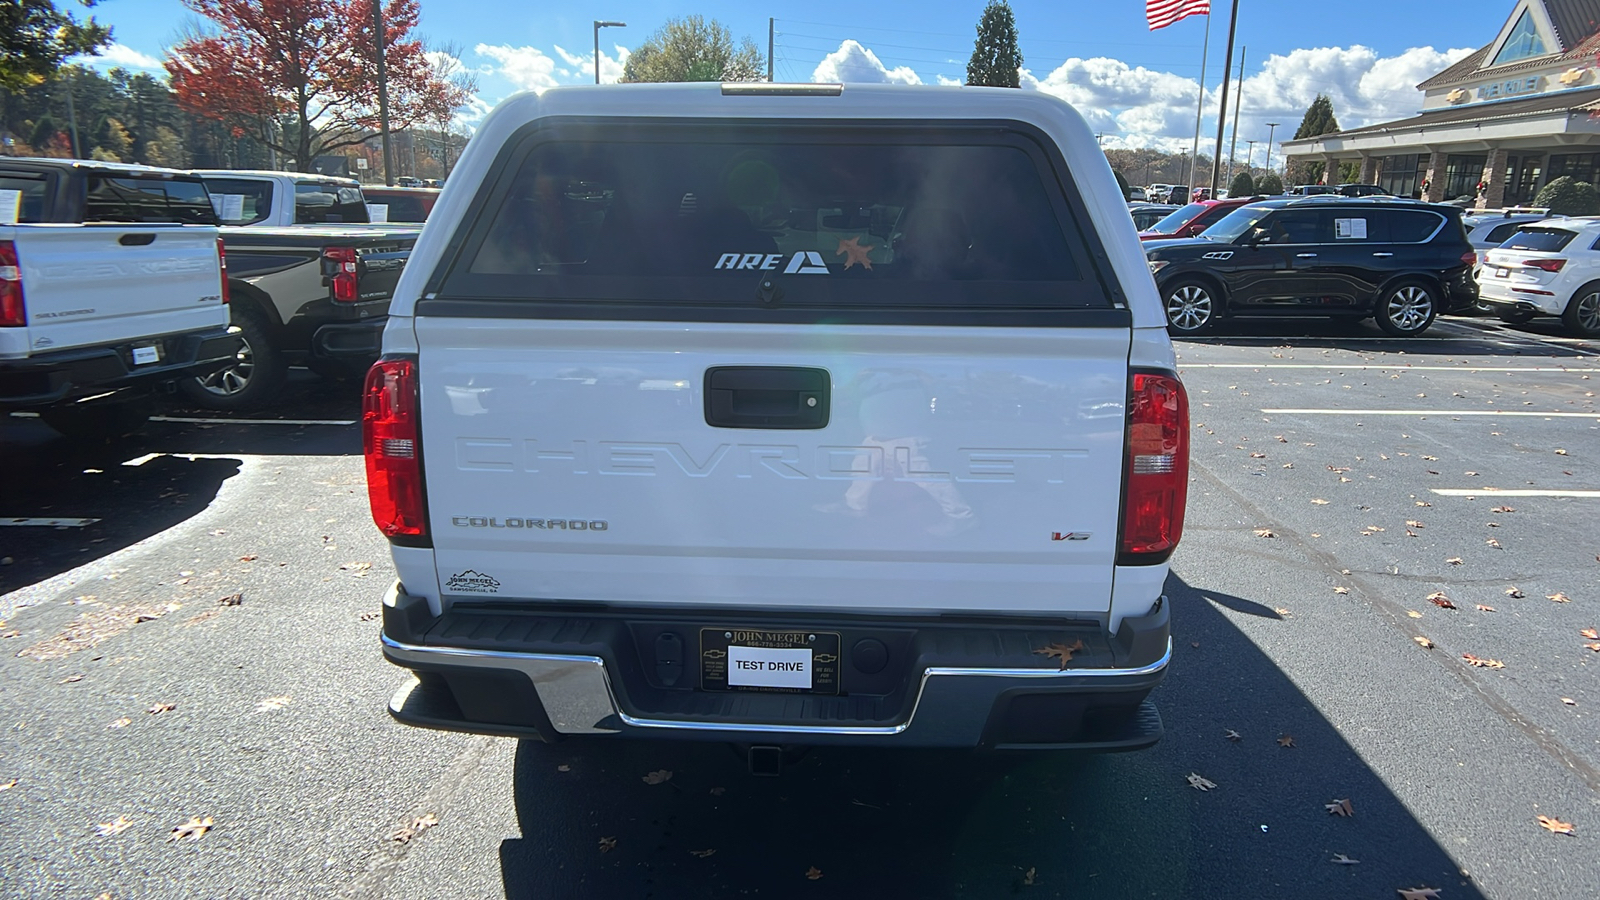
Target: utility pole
x=1200, y=108
x=383, y=94
x=772, y=27
x=1222, y=108
x=598, y=24
x=1233, y=147
x=1249, y=156
x=1272, y=130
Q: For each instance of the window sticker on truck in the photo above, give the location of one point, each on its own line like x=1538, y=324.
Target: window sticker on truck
x=804, y=262
x=472, y=582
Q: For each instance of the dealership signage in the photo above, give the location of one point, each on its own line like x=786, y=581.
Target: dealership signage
x=1498, y=89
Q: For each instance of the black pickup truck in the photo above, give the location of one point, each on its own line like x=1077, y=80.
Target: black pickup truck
x=306, y=295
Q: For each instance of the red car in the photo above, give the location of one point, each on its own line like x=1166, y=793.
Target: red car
x=1193, y=219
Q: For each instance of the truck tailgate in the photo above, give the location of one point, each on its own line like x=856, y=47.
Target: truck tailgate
x=956, y=469
x=88, y=285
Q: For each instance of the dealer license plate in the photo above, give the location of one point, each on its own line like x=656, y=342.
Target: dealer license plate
x=738, y=659
x=1500, y=272
x=146, y=354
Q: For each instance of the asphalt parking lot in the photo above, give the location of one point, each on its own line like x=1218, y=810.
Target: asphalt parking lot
x=1340, y=479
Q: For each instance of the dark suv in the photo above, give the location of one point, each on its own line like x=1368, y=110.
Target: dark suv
x=1401, y=262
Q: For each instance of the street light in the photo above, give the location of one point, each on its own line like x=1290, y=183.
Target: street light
x=1272, y=130
x=597, y=26
x=1250, y=154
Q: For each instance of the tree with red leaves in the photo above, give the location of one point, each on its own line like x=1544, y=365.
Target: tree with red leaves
x=300, y=76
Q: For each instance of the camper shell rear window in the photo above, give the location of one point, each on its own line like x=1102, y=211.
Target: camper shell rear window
x=819, y=215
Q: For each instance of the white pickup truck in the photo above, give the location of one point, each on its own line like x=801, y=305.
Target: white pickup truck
x=269, y=199
x=112, y=284
x=780, y=415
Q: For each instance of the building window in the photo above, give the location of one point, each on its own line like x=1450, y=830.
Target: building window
x=1577, y=166
x=1523, y=43
x=1461, y=175
x=1398, y=175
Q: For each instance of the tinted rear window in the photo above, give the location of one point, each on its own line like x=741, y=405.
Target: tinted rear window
x=32, y=188
x=1540, y=240
x=147, y=199
x=316, y=204
x=1503, y=232
x=1178, y=219
x=402, y=208
x=255, y=196
x=707, y=214
x=1409, y=226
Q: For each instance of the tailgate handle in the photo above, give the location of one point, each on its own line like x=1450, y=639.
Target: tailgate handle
x=136, y=240
x=790, y=397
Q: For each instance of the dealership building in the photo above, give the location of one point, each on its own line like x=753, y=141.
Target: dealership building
x=1496, y=126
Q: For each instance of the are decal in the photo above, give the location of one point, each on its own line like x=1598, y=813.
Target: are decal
x=803, y=262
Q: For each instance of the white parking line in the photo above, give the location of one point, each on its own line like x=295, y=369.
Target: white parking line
x=1398, y=368
x=1432, y=412
x=196, y=420
x=25, y=522
x=1464, y=492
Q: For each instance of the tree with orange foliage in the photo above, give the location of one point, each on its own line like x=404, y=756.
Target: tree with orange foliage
x=300, y=76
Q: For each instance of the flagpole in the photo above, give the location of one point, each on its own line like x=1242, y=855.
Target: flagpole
x=1233, y=144
x=1194, y=152
x=1222, y=110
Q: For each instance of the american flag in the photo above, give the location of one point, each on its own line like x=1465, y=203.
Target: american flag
x=1162, y=13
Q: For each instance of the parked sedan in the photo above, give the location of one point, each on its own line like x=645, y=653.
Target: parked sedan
x=1547, y=269
x=1190, y=220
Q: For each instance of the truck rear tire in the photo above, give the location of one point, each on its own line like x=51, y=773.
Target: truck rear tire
x=100, y=420
x=254, y=377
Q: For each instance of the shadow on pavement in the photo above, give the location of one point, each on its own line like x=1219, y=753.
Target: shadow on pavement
x=49, y=477
x=948, y=824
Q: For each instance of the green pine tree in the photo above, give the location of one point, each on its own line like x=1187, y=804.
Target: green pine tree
x=996, y=59
x=1243, y=185
x=1319, y=119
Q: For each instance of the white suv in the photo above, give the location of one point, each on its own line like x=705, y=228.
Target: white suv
x=1550, y=269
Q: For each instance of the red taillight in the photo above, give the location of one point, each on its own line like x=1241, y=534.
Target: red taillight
x=1548, y=265
x=390, y=435
x=344, y=273
x=13, y=312
x=1157, y=469
x=1472, y=258
x=222, y=263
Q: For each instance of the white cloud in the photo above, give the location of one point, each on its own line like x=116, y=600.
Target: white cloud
x=528, y=68
x=853, y=63
x=582, y=67
x=121, y=55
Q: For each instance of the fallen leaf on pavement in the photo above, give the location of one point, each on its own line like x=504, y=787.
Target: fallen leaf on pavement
x=1340, y=808
x=1232, y=735
x=660, y=776
x=1199, y=783
x=1413, y=614
x=1286, y=740
x=160, y=708
x=273, y=703
x=1265, y=533
x=1503, y=509
x=249, y=557
x=405, y=833
x=1560, y=452
x=1420, y=502
x=231, y=600
x=1028, y=877
x=1060, y=651
x=813, y=873
x=1413, y=523
x=1569, y=701
x=115, y=826
x=8, y=785
x=1558, y=597
x=1454, y=560
x=193, y=829
x=1493, y=543
x=1483, y=607
x=1492, y=524
x=702, y=853
x=70, y=679
x=1422, y=893
x=1556, y=826
x=1341, y=590
x=1482, y=663
x=123, y=722
x=1258, y=456
x=1343, y=860
x=1594, y=646
x=607, y=844
x=1423, y=642
x=1320, y=502
x=1515, y=593
x=1438, y=598
x=91, y=628
x=1591, y=634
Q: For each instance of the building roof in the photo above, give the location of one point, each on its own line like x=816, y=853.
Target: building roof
x=1580, y=100
x=1577, y=27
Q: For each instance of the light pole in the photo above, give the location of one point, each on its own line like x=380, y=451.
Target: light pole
x=1249, y=155
x=597, y=26
x=1272, y=129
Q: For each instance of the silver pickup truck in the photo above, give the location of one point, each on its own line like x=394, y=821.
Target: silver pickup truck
x=780, y=415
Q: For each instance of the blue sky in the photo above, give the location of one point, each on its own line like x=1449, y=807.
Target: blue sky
x=1138, y=87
